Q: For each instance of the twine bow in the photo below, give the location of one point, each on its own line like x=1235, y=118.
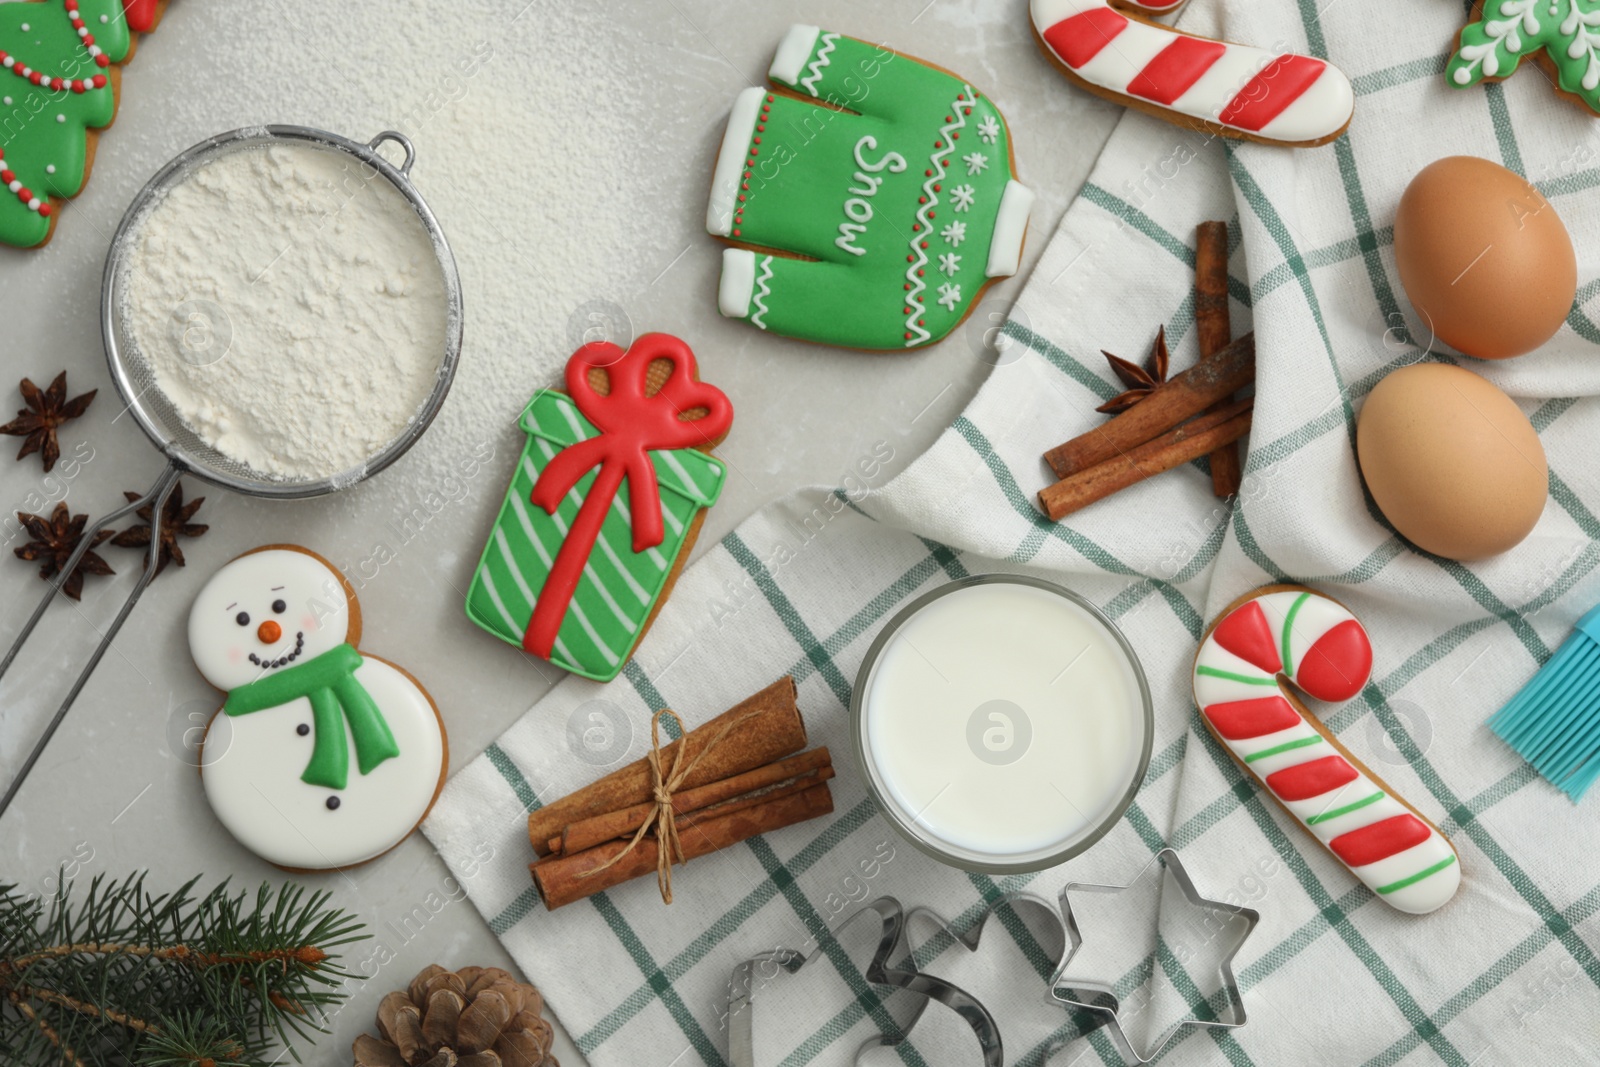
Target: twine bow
x=664, y=817
x=631, y=425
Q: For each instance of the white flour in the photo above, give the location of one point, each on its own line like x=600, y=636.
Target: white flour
x=291, y=306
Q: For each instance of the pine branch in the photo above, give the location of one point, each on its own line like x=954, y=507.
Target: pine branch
x=126, y=976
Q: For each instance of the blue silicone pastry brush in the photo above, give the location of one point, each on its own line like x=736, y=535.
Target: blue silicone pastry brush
x=1554, y=721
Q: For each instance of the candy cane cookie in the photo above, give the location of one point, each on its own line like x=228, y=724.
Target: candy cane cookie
x=1283, y=634
x=1113, y=49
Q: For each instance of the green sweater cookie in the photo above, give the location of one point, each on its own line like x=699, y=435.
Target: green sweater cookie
x=875, y=196
x=46, y=113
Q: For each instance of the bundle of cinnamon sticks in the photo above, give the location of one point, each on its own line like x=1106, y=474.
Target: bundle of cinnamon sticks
x=1191, y=415
x=745, y=775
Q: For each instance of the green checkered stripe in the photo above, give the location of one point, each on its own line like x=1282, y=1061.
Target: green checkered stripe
x=1335, y=929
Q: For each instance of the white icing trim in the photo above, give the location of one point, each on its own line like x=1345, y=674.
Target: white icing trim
x=793, y=52
x=764, y=284
x=1310, y=117
x=1010, y=227
x=738, y=282
x=730, y=161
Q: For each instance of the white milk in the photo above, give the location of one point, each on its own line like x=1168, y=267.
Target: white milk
x=1004, y=724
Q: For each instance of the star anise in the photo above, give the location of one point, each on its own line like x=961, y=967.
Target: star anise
x=55, y=539
x=174, y=524
x=46, y=411
x=1141, y=381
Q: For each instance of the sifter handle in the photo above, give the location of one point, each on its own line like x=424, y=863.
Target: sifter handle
x=157, y=494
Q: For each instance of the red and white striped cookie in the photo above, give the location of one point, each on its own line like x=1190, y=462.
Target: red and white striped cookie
x=1287, y=634
x=1112, y=49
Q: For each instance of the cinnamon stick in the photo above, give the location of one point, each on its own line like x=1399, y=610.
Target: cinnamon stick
x=1213, y=378
x=587, y=833
x=560, y=879
x=1189, y=441
x=1214, y=331
x=716, y=811
x=769, y=728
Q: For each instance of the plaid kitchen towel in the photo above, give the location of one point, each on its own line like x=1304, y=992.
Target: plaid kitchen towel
x=1506, y=973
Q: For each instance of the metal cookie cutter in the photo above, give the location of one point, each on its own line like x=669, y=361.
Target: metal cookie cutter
x=1233, y=925
x=755, y=973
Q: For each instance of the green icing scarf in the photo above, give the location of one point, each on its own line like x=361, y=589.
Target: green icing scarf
x=328, y=681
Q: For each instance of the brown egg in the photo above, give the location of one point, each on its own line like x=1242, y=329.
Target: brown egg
x=1451, y=461
x=1484, y=258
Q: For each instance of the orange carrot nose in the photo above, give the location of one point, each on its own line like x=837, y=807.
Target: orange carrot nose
x=269, y=632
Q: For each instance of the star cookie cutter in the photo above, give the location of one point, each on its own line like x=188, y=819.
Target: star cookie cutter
x=1100, y=996
x=750, y=976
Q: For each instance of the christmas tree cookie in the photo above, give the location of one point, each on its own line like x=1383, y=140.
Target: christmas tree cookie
x=1286, y=634
x=322, y=756
x=58, y=85
x=870, y=196
x=604, y=505
x=1563, y=36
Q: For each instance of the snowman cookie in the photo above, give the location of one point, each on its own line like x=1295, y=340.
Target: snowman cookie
x=322, y=756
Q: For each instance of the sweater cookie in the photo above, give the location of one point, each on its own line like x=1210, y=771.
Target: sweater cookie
x=322, y=756
x=872, y=197
x=1112, y=49
x=1286, y=634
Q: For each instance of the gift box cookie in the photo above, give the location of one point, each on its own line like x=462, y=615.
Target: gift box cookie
x=604, y=506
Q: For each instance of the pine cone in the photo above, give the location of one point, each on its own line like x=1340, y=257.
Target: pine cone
x=474, y=1017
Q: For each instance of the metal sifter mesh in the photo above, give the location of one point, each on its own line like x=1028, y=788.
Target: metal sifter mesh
x=186, y=452
x=136, y=381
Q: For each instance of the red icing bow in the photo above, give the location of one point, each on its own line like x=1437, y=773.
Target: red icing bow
x=631, y=426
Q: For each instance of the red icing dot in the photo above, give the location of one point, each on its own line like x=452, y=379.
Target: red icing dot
x=915, y=226
x=955, y=137
x=924, y=244
x=101, y=60
x=7, y=177
x=757, y=140
x=928, y=173
x=99, y=81
x=911, y=259
x=761, y=127
x=24, y=194
x=922, y=200
x=46, y=210
x=908, y=285
x=920, y=273
x=736, y=231
x=908, y=335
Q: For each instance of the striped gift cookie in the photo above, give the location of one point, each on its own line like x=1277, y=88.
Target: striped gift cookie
x=1229, y=89
x=1286, y=633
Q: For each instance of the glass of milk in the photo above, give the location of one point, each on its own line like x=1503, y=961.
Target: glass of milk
x=1002, y=723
